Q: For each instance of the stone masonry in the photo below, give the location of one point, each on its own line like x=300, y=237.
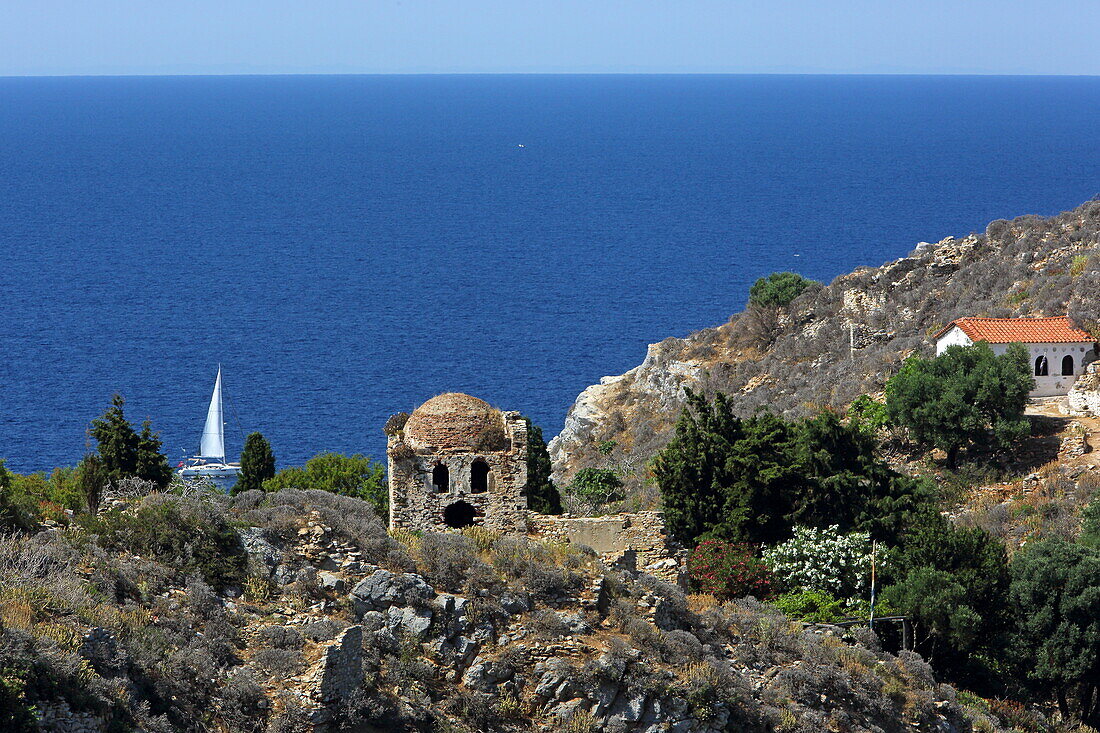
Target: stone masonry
x=636, y=540
x=1084, y=396
x=458, y=462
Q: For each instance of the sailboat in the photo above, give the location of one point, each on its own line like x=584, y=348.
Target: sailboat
x=210, y=462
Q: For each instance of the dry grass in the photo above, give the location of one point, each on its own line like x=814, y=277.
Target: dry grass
x=699, y=602
x=407, y=537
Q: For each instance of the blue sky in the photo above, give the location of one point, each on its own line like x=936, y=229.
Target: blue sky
x=619, y=36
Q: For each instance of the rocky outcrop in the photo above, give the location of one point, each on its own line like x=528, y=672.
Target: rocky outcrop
x=836, y=342
x=659, y=380
x=455, y=632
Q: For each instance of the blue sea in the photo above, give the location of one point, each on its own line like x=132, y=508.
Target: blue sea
x=348, y=246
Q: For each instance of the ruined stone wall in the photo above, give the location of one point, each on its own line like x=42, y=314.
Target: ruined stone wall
x=637, y=540
x=1084, y=396
x=415, y=503
x=340, y=671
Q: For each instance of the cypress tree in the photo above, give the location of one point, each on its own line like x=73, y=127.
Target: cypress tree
x=117, y=441
x=123, y=452
x=257, y=464
x=91, y=479
x=151, y=464
x=542, y=494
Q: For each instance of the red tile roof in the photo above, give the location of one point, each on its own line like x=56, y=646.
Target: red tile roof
x=1054, y=330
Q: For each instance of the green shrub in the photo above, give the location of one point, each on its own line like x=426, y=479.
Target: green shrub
x=15, y=713
x=597, y=485
x=728, y=570
x=357, y=476
x=188, y=535
x=868, y=414
x=12, y=514
x=1090, y=524
x=751, y=479
x=27, y=497
x=813, y=606
x=1078, y=265
x=778, y=289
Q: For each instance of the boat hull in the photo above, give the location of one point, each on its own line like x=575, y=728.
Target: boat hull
x=210, y=471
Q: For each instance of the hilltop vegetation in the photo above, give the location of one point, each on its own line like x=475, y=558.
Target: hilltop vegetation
x=207, y=612
x=831, y=344
x=163, y=608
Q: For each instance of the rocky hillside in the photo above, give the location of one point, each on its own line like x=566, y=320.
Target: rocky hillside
x=296, y=611
x=838, y=341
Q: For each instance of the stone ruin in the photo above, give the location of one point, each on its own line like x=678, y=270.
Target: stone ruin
x=634, y=541
x=1084, y=397
x=457, y=462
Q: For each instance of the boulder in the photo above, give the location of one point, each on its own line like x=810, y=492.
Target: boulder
x=410, y=621
x=484, y=675
x=514, y=603
x=331, y=581
x=382, y=589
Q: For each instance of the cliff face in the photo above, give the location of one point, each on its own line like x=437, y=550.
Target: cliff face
x=844, y=339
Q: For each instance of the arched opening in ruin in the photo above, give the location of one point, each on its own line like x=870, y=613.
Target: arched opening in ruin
x=441, y=478
x=459, y=515
x=1067, y=365
x=1041, y=366
x=479, y=477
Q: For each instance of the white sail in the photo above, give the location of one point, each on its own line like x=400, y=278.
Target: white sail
x=213, y=434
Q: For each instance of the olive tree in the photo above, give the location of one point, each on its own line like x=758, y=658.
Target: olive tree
x=966, y=395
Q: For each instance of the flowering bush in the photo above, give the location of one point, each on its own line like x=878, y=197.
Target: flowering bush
x=822, y=559
x=728, y=570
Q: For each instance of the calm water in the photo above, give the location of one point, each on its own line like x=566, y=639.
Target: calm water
x=349, y=246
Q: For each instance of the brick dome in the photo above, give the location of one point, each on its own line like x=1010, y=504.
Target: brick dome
x=455, y=421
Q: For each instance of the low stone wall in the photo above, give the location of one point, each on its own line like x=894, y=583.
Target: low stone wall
x=637, y=540
x=1075, y=443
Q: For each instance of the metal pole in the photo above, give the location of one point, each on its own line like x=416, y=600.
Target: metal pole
x=874, y=547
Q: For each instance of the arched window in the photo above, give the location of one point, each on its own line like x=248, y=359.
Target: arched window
x=441, y=478
x=459, y=515
x=1067, y=365
x=1041, y=368
x=479, y=477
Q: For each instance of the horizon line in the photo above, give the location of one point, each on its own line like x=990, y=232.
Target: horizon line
x=547, y=73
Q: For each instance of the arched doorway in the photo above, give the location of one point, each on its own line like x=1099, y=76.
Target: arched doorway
x=1041, y=369
x=1067, y=365
x=479, y=477
x=441, y=478
x=459, y=515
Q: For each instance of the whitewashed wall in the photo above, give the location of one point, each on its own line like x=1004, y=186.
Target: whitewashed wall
x=1052, y=385
x=954, y=337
